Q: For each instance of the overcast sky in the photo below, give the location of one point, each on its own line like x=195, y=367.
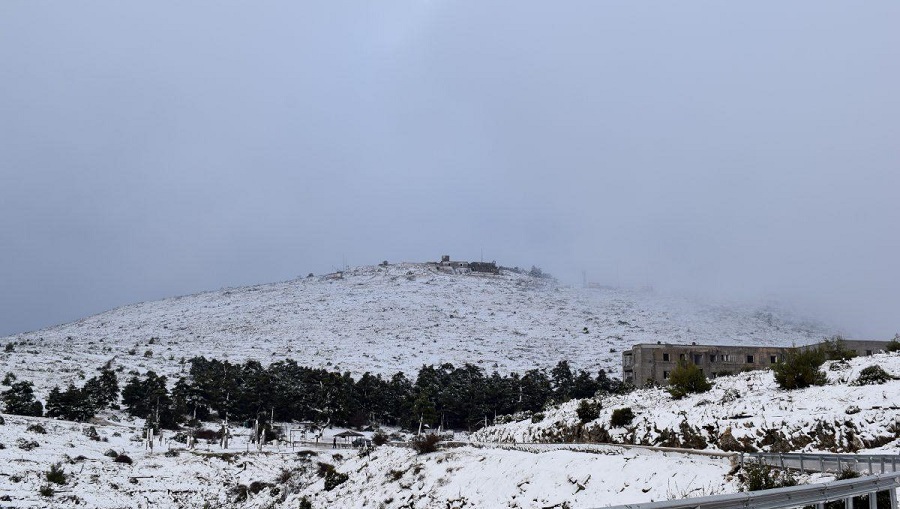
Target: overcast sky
x=743, y=150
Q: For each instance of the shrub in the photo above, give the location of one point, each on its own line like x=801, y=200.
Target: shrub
x=538, y=417
x=10, y=347
x=46, y=491
x=834, y=349
x=26, y=445
x=588, y=410
x=894, y=344
x=324, y=469
x=759, y=476
x=335, y=479
x=686, y=379
x=122, y=458
x=800, y=369
x=621, y=417
x=55, y=474
x=379, y=438
x=873, y=375
x=304, y=502
x=36, y=428
x=424, y=444
x=8, y=379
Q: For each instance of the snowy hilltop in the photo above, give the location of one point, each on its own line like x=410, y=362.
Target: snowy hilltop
x=385, y=319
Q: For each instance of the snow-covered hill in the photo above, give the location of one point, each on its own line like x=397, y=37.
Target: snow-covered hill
x=385, y=319
x=741, y=412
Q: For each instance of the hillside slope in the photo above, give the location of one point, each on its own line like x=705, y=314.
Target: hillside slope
x=741, y=412
x=393, y=318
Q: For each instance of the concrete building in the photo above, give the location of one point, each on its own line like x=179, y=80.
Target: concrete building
x=654, y=362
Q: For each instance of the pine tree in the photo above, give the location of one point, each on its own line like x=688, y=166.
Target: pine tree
x=19, y=400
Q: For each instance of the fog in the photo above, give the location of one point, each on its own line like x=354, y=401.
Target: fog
x=736, y=151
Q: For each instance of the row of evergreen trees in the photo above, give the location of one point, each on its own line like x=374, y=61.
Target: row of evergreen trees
x=455, y=397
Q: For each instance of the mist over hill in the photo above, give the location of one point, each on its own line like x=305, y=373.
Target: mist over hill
x=384, y=319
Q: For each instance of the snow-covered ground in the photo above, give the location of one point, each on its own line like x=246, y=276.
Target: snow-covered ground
x=394, y=318
x=747, y=408
x=389, y=477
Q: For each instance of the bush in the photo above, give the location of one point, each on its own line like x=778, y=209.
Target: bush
x=588, y=410
x=873, y=375
x=621, y=417
x=894, y=344
x=686, y=379
x=538, y=417
x=759, y=476
x=122, y=458
x=800, y=369
x=379, y=438
x=304, y=502
x=424, y=444
x=46, y=491
x=36, y=428
x=55, y=474
x=834, y=349
x=335, y=479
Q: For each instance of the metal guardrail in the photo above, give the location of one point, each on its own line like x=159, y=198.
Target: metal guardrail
x=808, y=462
x=794, y=496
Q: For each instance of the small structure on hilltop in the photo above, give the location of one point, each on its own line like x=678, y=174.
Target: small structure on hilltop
x=449, y=266
x=654, y=362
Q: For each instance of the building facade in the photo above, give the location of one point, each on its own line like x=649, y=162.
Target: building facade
x=654, y=362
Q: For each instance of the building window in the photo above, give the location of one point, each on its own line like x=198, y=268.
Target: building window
x=726, y=357
x=681, y=356
x=868, y=352
x=665, y=375
x=665, y=357
x=712, y=357
x=698, y=358
x=749, y=359
x=773, y=359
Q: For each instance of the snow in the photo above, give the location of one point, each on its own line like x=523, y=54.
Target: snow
x=395, y=318
x=749, y=405
x=389, y=477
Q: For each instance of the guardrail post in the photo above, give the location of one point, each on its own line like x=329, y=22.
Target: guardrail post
x=781, y=457
x=839, y=465
x=802, y=470
x=848, y=503
x=873, y=500
x=893, y=498
x=870, y=466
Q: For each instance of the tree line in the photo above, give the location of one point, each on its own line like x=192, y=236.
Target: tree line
x=454, y=397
